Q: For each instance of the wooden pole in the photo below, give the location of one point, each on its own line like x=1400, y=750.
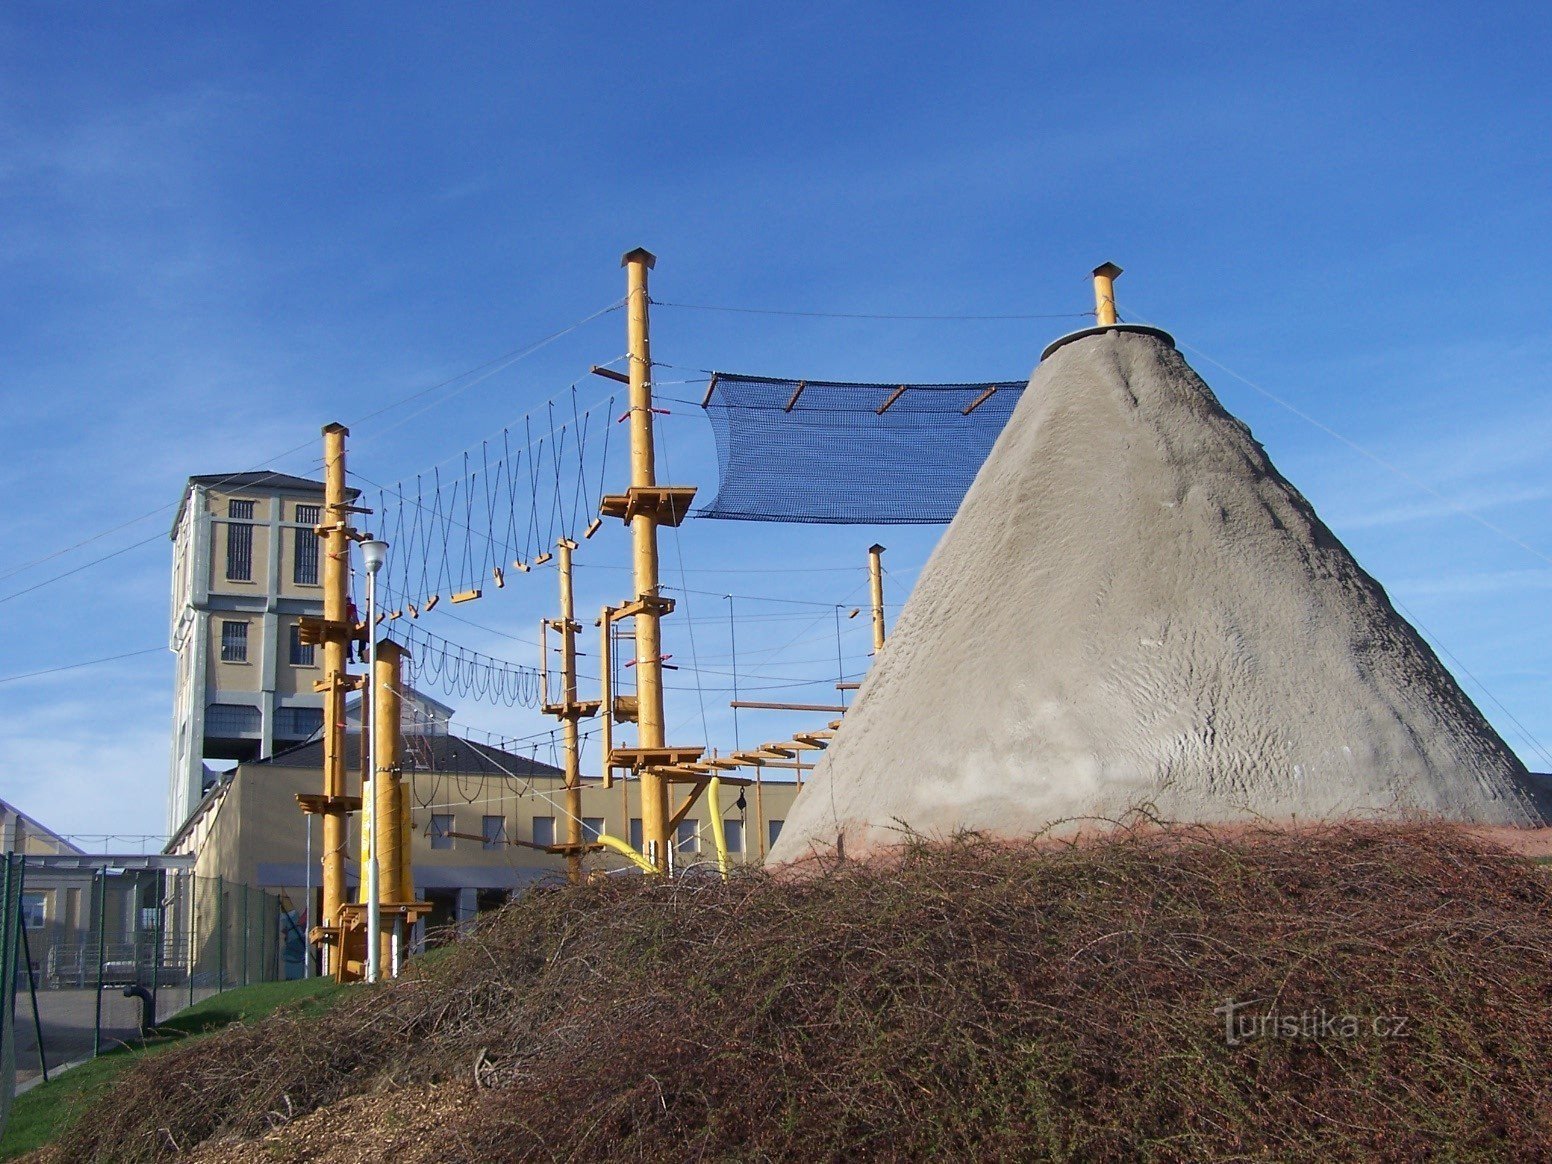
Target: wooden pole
x=876, y=584
x=1104, y=294
x=336, y=637
x=569, y=711
x=391, y=855
x=649, y=648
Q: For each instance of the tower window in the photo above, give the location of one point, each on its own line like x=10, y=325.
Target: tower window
x=239, y=541
x=234, y=642
x=301, y=653
x=304, y=567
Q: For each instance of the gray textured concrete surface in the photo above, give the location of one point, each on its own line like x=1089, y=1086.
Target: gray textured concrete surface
x=1134, y=609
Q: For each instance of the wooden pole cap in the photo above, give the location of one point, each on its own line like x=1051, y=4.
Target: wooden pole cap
x=639, y=255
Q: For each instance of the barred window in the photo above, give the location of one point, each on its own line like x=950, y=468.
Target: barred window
x=231, y=719
x=234, y=642
x=301, y=653
x=297, y=723
x=304, y=567
x=239, y=541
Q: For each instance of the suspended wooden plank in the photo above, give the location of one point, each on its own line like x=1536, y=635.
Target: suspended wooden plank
x=466, y=595
x=593, y=527
x=431, y=603
x=501, y=579
x=763, y=706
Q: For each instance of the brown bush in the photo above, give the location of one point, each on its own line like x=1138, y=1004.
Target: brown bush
x=967, y=1000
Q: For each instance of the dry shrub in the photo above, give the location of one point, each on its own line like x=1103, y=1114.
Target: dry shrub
x=967, y=1000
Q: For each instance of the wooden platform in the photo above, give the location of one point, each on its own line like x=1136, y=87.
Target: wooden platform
x=667, y=504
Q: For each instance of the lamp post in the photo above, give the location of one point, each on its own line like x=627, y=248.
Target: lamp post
x=373, y=554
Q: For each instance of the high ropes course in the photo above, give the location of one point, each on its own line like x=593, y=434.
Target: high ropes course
x=521, y=503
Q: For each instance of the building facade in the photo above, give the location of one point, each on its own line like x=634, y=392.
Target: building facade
x=481, y=818
x=245, y=571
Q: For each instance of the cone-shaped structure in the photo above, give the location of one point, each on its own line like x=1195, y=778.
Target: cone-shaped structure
x=1133, y=609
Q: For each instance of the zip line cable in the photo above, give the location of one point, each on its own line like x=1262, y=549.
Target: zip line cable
x=1456, y=506
x=859, y=315
x=504, y=361
x=76, y=666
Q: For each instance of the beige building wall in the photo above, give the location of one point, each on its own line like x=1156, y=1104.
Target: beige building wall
x=252, y=832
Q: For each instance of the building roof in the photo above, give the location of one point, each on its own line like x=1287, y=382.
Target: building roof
x=453, y=755
x=258, y=480
x=262, y=479
x=40, y=831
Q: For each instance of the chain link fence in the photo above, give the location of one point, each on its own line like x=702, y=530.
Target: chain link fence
x=92, y=956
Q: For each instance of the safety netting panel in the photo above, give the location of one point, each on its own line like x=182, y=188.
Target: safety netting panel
x=850, y=454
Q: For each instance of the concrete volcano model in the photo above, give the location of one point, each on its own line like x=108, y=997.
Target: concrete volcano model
x=1133, y=609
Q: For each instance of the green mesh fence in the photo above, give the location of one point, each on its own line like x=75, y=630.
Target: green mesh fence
x=93, y=953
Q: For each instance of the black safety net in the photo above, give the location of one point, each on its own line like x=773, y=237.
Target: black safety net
x=850, y=454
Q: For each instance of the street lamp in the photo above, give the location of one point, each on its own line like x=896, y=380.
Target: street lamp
x=373, y=554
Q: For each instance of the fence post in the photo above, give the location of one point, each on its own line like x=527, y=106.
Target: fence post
x=102, y=929
x=245, y=936
x=161, y=936
x=220, y=934
x=193, y=912
x=32, y=977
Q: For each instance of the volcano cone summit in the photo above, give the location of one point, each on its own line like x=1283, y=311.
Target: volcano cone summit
x=1133, y=609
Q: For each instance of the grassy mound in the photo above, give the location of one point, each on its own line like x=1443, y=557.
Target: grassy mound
x=45, y=1111
x=1390, y=994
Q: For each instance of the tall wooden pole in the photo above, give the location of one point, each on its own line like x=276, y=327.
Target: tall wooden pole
x=649, y=642
x=387, y=677
x=876, y=587
x=568, y=628
x=336, y=638
x=1104, y=294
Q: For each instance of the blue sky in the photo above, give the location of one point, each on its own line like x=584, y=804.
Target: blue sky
x=226, y=225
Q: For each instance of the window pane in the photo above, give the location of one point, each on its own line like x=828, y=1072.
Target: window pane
x=592, y=826
x=635, y=833
x=301, y=653
x=231, y=719
x=234, y=642
x=441, y=825
x=304, y=565
x=733, y=832
x=494, y=830
x=544, y=830
x=297, y=723
x=239, y=541
x=775, y=829
x=33, y=910
x=688, y=838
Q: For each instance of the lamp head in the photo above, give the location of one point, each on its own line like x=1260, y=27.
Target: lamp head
x=373, y=554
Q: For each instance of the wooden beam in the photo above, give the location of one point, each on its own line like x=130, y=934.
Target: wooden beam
x=796, y=392
x=710, y=388
x=610, y=374
x=888, y=404
x=759, y=705
x=980, y=400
